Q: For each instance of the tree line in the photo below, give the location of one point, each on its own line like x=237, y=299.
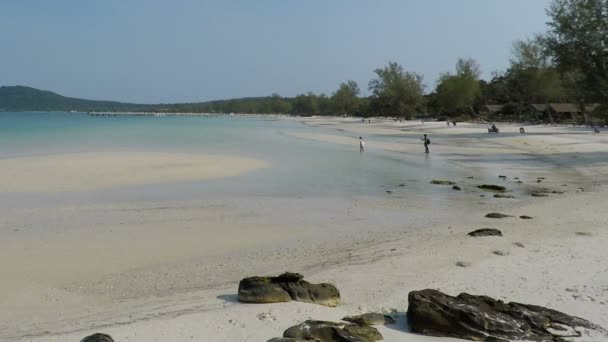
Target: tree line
x=566, y=64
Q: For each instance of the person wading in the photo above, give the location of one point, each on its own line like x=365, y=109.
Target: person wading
x=361, y=145
x=426, y=143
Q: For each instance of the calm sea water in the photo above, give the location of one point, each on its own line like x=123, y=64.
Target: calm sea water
x=298, y=167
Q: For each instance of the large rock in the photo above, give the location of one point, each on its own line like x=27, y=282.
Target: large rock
x=481, y=318
x=323, y=331
x=492, y=187
x=98, y=337
x=285, y=288
x=371, y=318
x=485, y=232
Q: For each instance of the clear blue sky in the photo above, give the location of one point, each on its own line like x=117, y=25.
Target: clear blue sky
x=152, y=51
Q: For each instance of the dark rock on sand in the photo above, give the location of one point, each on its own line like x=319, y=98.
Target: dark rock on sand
x=463, y=264
x=98, y=338
x=287, y=339
x=503, y=196
x=538, y=194
x=481, y=318
x=485, y=232
x=497, y=215
x=525, y=217
x=442, y=182
x=500, y=252
x=285, y=288
x=519, y=244
x=371, y=318
x=323, y=331
x=501, y=176
x=492, y=187
x=456, y=187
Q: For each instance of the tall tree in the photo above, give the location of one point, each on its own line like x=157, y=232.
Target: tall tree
x=396, y=91
x=458, y=92
x=578, y=41
x=346, y=98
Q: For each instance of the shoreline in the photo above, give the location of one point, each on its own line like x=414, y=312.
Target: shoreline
x=356, y=253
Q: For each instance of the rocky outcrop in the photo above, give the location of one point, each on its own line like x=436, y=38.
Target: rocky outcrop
x=285, y=288
x=98, y=338
x=323, y=331
x=525, y=217
x=481, y=318
x=492, y=187
x=485, y=232
x=497, y=215
x=442, y=182
x=371, y=318
x=503, y=196
x=456, y=187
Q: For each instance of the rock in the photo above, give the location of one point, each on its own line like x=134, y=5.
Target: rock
x=402, y=185
x=503, y=196
x=389, y=192
x=471, y=177
x=365, y=332
x=501, y=253
x=98, y=337
x=481, y=318
x=463, y=264
x=456, y=187
x=519, y=244
x=501, y=176
x=442, y=182
x=492, y=187
x=288, y=339
x=583, y=233
x=485, y=232
x=371, y=318
x=285, y=288
x=497, y=215
x=538, y=194
x=323, y=331
x=538, y=181
x=519, y=182
x=526, y=217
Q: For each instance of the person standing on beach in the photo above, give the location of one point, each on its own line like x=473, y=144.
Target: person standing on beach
x=361, y=145
x=426, y=143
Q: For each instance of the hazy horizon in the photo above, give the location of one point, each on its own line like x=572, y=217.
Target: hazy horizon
x=189, y=51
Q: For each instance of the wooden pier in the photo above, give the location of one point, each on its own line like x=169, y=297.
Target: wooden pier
x=202, y=115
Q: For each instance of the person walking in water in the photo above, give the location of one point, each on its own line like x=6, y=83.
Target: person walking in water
x=361, y=145
x=426, y=143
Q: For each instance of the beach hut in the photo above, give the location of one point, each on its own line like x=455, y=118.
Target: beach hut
x=570, y=111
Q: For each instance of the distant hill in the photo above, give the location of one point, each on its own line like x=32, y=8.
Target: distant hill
x=20, y=98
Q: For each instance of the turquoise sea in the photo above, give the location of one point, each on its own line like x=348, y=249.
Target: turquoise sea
x=298, y=167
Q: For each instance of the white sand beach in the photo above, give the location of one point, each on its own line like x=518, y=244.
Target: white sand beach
x=169, y=271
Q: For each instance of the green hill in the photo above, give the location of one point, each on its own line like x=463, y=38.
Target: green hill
x=20, y=98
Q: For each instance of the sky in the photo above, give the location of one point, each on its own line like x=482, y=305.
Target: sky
x=165, y=51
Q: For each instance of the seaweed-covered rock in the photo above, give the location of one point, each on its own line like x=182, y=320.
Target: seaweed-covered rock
x=285, y=288
x=497, y=215
x=492, y=187
x=323, y=331
x=456, y=187
x=525, y=217
x=481, y=318
x=98, y=337
x=371, y=318
x=485, y=232
x=503, y=196
x=442, y=182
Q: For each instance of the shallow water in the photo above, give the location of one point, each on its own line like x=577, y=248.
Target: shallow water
x=298, y=167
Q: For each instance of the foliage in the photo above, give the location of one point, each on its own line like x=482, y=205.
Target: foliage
x=396, y=92
x=457, y=93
